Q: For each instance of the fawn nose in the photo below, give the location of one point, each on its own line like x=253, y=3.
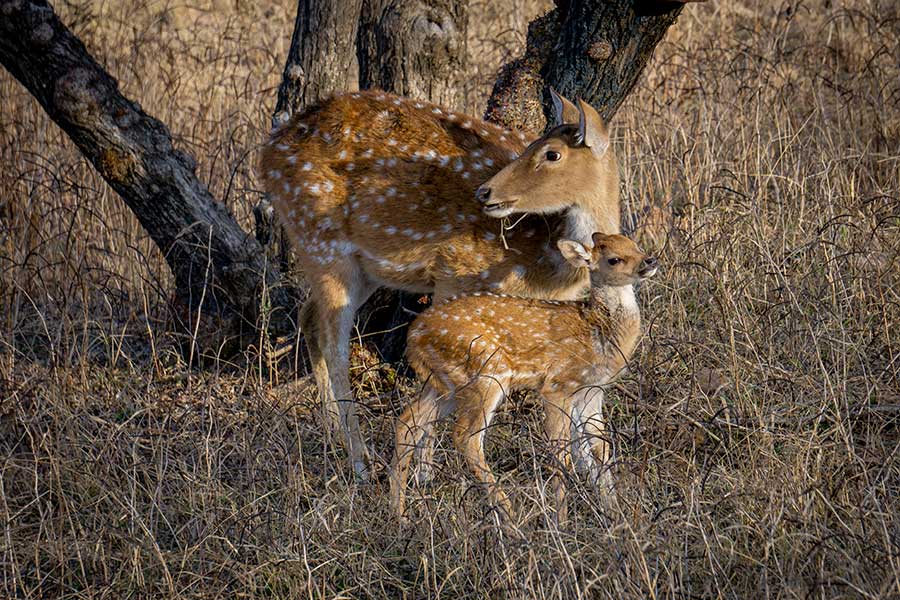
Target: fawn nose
x=483, y=193
x=648, y=266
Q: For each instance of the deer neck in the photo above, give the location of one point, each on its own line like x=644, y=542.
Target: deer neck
x=596, y=209
x=580, y=224
x=577, y=224
x=615, y=300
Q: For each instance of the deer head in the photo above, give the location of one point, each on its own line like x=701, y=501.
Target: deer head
x=614, y=260
x=558, y=170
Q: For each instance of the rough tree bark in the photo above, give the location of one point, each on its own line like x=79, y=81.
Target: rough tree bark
x=322, y=56
x=415, y=48
x=218, y=268
x=593, y=49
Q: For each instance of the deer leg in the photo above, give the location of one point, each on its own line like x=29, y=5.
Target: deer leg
x=558, y=429
x=413, y=428
x=424, y=452
x=425, y=456
x=586, y=406
x=310, y=335
x=336, y=412
x=338, y=293
x=476, y=406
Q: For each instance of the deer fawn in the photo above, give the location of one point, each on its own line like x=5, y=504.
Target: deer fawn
x=377, y=190
x=473, y=350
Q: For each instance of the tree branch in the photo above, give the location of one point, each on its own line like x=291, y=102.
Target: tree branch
x=592, y=49
x=210, y=255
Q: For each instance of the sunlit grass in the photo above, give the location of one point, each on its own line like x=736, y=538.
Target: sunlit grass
x=756, y=433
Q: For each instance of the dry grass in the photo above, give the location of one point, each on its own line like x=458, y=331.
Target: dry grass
x=757, y=435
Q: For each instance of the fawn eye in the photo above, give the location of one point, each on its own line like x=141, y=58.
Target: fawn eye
x=613, y=261
x=553, y=155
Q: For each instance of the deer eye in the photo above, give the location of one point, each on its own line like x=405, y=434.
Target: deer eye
x=613, y=261
x=553, y=155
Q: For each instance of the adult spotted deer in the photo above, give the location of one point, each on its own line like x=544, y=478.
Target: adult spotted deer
x=377, y=190
x=473, y=350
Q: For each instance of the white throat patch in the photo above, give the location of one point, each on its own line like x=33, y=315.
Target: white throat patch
x=580, y=226
x=619, y=297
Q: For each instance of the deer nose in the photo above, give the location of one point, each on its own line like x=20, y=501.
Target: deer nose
x=483, y=193
x=650, y=262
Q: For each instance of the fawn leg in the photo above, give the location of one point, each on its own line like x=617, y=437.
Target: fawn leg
x=414, y=424
x=590, y=445
x=558, y=428
x=424, y=451
x=476, y=406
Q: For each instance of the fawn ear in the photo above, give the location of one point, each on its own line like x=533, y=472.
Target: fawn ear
x=575, y=253
x=592, y=131
x=563, y=110
x=598, y=238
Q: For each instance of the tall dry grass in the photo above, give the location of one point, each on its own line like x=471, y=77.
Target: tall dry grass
x=757, y=434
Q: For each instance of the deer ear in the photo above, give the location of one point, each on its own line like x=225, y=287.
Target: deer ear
x=598, y=238
x=575, y=253
x=563, y=110
x=592, y=131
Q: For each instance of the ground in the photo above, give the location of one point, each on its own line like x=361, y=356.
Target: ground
x=756, y=434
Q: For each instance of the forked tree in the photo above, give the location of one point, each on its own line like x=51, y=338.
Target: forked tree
x=593, y=49
x=379, y=190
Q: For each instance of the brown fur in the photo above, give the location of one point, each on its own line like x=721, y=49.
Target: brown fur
x=583, y=170
x=475, y=349
x=376, y=190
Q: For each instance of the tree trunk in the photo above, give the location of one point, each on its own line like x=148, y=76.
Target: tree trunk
x=321, y=61
x=415, y=48
x=219, y=270
x=322, y=56
x=592, y=49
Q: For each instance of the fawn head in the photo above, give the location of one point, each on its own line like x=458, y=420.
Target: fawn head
x=614, y=260
x=557, y=170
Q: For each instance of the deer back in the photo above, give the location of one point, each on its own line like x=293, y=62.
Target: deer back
x=390, y=182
